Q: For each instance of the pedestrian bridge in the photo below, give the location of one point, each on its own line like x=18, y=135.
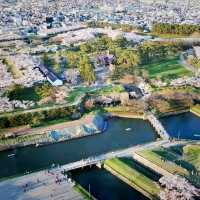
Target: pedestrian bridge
x=121, y=153
x=158, y=126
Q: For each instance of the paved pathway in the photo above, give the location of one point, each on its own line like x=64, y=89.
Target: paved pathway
x=38, y=186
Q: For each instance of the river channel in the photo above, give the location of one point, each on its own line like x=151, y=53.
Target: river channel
x=121, y=133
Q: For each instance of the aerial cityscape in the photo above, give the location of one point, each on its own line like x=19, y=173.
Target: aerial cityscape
x=99, y=100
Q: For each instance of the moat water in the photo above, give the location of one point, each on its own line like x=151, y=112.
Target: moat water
x=116, y=137
x=105, y=186
x=121, y=133
x=182, y=126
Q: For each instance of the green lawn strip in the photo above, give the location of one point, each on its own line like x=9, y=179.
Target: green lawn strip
x=84, y=192
x=133, y=176
x=164, y=160
x=167, y=69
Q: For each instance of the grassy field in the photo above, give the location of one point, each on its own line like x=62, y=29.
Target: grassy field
x=133, y=176
x=192, y=155
x=167, y=70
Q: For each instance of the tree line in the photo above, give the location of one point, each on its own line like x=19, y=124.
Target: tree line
x=123, y=27
x=179, y=29
x=36, y=118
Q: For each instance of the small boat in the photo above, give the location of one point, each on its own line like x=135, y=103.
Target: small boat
x=128, y=129
x=196, y=135
x=37, y=145
x=11, y=155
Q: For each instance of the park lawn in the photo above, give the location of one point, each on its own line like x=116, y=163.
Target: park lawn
x=133, y=176
x=167, y=70
x=111, y=89
x=192, y=155
x=163, y=159
x=77, y=93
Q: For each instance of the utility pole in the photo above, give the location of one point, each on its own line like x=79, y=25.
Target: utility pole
x=89, y=192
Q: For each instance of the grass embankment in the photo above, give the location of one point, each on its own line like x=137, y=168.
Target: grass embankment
x=34, y=138
x=133, y=177
x=185, y=164
x=84, y=192
x=196, y=109
x=163, y=159
x=167, y=70
x=192, y=155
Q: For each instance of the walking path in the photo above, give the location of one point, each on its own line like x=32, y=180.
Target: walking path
x=42, y=185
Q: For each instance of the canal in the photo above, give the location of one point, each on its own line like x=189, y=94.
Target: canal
x=183, y=126
x=105, y=186
x=121, y=133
